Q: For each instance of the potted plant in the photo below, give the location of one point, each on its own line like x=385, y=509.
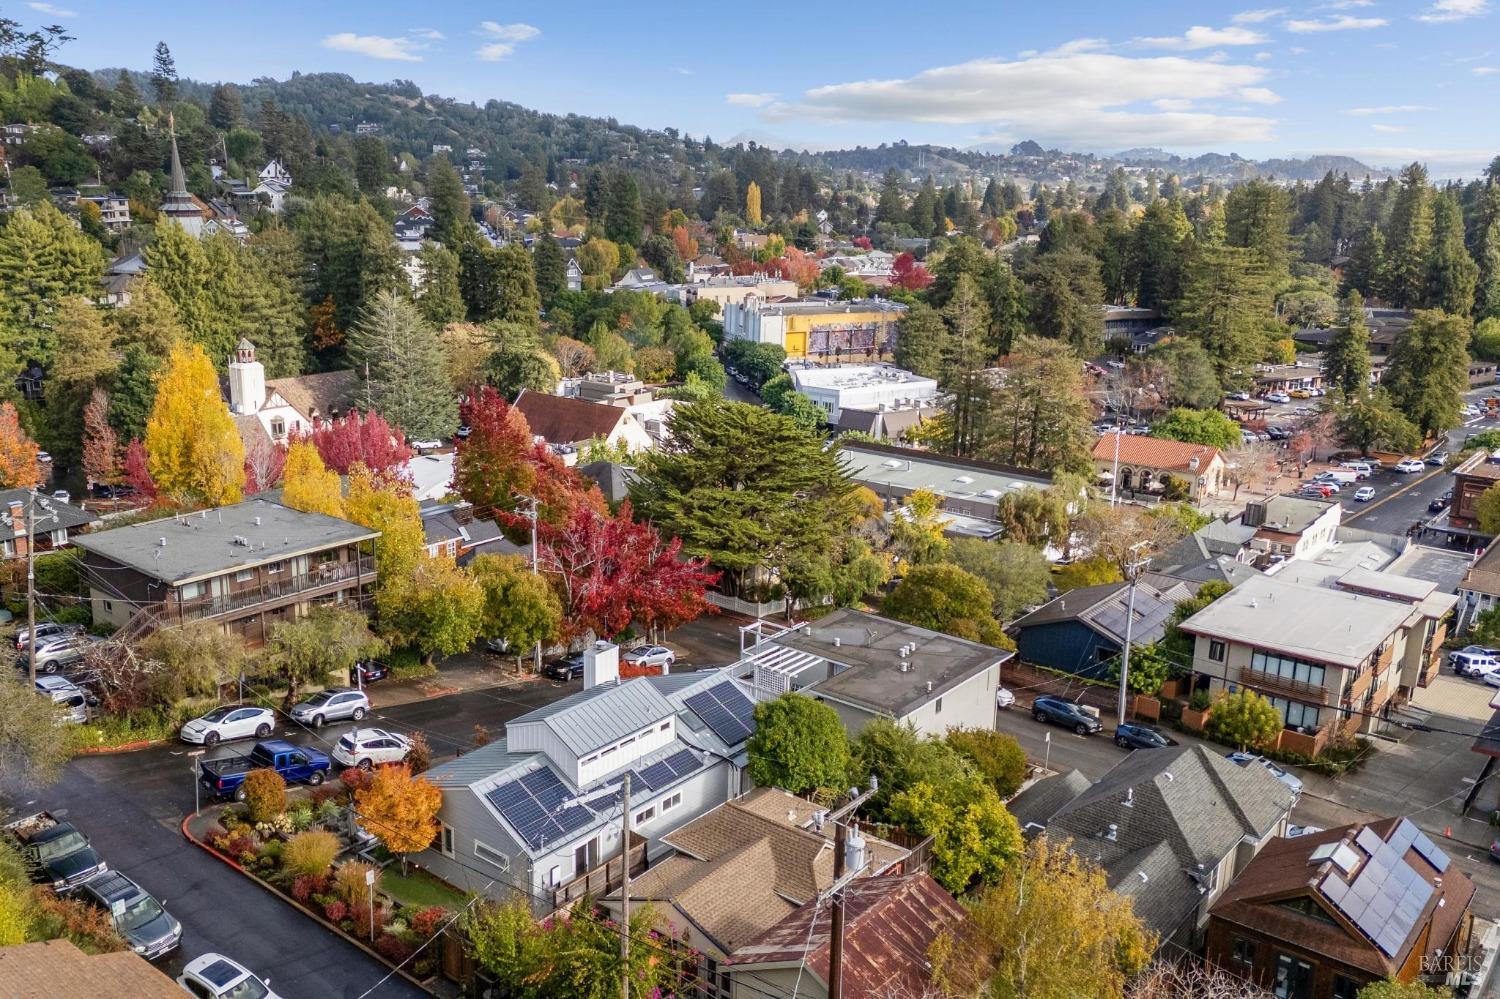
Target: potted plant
x=1195, y=715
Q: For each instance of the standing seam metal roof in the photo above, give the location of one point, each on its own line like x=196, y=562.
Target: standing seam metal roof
x=601, y=715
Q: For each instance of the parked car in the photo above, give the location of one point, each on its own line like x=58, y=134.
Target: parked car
x=233, y=721
x=1409, y=466
x=368, y=671
x=72, y=700
x=368, y=747
x=1300, y=393
x=1134, y=735
x=1440, y=503
x=1290, y=780
x=333, y=704
x=1278, y=397
x=1004, y=698
x=1476, y=663
x=144, y=922
x=46, y=630
x=463, y=432
x=651, y=655
x=61, y=650
x=1437, y=457
x=499, y=646
x=1058, y=711
x=1240, y=396
x=569, y=667
x=214, y=976
x=57, y=853
x=1364, y=494
x=1491, y=677
x=1278, y=433
x=43, y=457
x=428, y=444
x=1361, y=469
x=296, y=764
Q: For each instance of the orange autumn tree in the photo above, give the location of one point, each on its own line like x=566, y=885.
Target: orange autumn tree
x=17, y=452
x=399, y=809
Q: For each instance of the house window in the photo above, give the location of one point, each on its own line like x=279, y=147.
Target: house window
x=1242, y=951
x=445, y=839
x=1287, y=668
x=244, y=575
x=108, y=606
x=1294, y=978
x=645, y=815
x=453, y=548
x=1344, y=988
x=1295, y=714
x=937, y=707
x=274, y=567
x=492, y=856
x=9, y=547
x=278, y=427
x=671, y=802
x=1216, y=650
x=190, y=591
x=664, y=726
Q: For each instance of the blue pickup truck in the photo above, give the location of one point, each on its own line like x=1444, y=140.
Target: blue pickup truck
x=296, y=764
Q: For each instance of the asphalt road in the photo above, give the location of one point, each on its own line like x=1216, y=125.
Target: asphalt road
x=131, y=806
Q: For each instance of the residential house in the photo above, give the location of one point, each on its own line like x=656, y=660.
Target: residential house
x=367, y=128
x=890, y=925
x=865, y=388
x=1083, y=631
x=1324, y=915
x=1132, y=464
x=430, y=475
x=567, y=422
x=867, y=667
x=49, y=524
x=1172, y=828
x=1125, y=322
x=743, y=869
x=451, y=529
x=708, y=266
x=1213, y=553
x=1329, y=646
x=873, y=268
x=247, y=567
x=736, y=288
x=1289, y=527
x=573, y=274
x=1480, y=589
x=57, y=969
x=612, y=478
x=281, y=407
x=114, y=209
x=1287, y=377
x=816, y=327
x=118, y=276
x=540, y=810
x=1384, y=327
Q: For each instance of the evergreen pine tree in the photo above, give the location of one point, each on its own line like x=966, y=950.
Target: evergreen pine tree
x=1427, y=372
x=407, y=382
x=440, y=298
x=551, y=268
x=891, y=208
x=623, y=221
x=450, y=204
x=44, y=259
x=224, y=108
x=1347, y=363
x=516, y=297
x=134, y=390
x=1487, y=254
x=1452, y=274
x=1408, y=242
x=164, y=75
x=85, y=362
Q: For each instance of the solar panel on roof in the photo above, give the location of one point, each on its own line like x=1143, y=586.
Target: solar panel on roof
x=1430, y=852
x=726, y=710
x=1333, y=888
x=531, y=804
x=1368, y=841
x=657, y=775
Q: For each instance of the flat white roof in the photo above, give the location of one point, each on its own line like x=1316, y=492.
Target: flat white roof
x=851, y=376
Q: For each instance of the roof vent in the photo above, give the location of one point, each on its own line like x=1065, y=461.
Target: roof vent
x=1129, y=801
x=161, y=542
x=257, y=521
x=1142, y=876
x=791, y=815
x=837, y=641
x=1168, y=775
x=929, y=686
x=1112, y=832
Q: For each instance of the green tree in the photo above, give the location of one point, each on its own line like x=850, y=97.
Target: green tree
x=406, y=382
x=1088, y=572
x=945, y=598
x=799, y=745
x=922, y=341
x=1183, y=373
x=1032, y=517
x=224, y=108
x=1346, y=365
x=1408, y=240
x=1428, y=370
x=1392, y=989
x=1487, y=510
x=437, y=609
x=1016, y=574
x=1065, y=292
x=164, y=76
x=997, y=756
x=449, y=203
x=519, y=361
x=34, y=746
x=1487, y=254
x=439, y=299
x=1244, y=719
x=1452, y=274
x=1228, y=295
x=350, y=255
x=611, y=351
x=520, y=608
x=623, y=219
x=1198, y=426
x=1038, y=416
x=963, y=377
x=1486, y=342
x=1257, y=216
x=85, y=363
x=134, y=391
x=917, y=530
x=551, y=268
x=1159, y=250
x=44, y=260
x=317, y=648
x=974, y=838
x=516, y=298
x=1373, y=422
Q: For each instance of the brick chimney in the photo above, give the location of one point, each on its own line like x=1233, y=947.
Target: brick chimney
x=463, y=512
x=18, y=526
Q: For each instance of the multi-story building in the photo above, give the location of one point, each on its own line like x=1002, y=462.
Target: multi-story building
x=863, y=387
x=1473, y=476
x=247, y=567
x=815, y=327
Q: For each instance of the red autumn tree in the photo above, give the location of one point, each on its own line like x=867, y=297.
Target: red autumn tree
x=611, y=571
x=863, y=242
x=364, y=439
x=101, y=448
x=500, y=462
x=137, y=473
x=907, y=273
x=687, y=246
x=17, y=452
x=265, y=460
x=796, y=266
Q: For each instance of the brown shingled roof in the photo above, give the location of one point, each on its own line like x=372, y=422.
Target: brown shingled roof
x=1154, y=452
x=558, y=419
x=889, y=925
x=325, y=394
x=56, y=969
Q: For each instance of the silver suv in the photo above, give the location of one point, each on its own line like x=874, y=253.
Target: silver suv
x=333, y=704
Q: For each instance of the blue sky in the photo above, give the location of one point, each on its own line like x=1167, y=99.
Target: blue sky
x=1386, y=81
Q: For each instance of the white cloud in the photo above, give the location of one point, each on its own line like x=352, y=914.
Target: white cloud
x=1340, y=22
x=429, y=34
x=1083, y=99
x=503, y=38
x=1443, y=11
x=1346, y=4
x=1388, y=129
x=684, y=71
x=1263, y=57
x=1259, y=95
x=1391, y=109
x=1257, y=16
x=47, y=8
x=749, y=100
x=1173, y=104
x=375, y=46
x=1485, y=70
x=1078, y=45
x=1200, y=37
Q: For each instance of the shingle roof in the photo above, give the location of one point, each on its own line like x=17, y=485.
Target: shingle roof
x=1039, y=802
x=890, y=924
x=1103, y=608
x=49, y=515
x=558, y=419
x=57, y=969
x=600, y=715
x=1160, y=895
x=1154, y=452
x=324, y=394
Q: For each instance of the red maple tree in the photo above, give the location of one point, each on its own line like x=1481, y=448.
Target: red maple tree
x=907, y=273
x=362, y=439
x=796, y=266
x=101, y=459
x=264, y=462
x=137, y=474
x=611, y=570
x=863, y=242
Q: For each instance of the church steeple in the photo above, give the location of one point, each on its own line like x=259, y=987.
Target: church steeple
x=180, y=206
x=179, y=179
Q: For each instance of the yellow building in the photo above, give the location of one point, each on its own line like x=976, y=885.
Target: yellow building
x=817, y=328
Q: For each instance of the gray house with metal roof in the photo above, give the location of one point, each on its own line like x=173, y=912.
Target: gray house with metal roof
x=1083, y=631
x=540, y=811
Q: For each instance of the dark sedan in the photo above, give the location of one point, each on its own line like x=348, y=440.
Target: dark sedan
x=567, y=668
x=1134, y=735
x=368, y=671
x=1057, y=711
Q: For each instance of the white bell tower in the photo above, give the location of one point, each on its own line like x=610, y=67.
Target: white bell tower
x=247, y=380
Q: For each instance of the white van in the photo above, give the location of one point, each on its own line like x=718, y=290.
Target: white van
x=1342, y=476
x=1361, y=469
x=1473, y=663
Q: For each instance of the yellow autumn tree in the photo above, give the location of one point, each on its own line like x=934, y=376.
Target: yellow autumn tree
x=17, y=452
x=307, y=484
x=752, y=203
x=395, y=515
x=399, y=809
x=193, y=448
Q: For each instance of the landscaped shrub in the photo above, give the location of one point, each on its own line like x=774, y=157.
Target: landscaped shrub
x=305, y=886
x=310, y=852
x=349, y=882
x=361, y=916
x=88, y=927
x=336, y=911
x=300, y=815
x=265, y=795
x=425, y=922
x=356, y=779
x=328, y=812
x=419, y=758
x=325, y=793
x=1199, y=701
x=269, y=851
x=394, y=948
x=998, y=756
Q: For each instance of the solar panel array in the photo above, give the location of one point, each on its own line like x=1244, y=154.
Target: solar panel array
x=1387, y=897
x=535, y=806
x=659, y=775
x=726, y=710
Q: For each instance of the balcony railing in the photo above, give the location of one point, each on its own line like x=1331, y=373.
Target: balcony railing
x=600, y=881
x=321, y=576
x=1280, y=686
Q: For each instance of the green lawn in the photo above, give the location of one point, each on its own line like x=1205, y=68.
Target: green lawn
x=419, y=889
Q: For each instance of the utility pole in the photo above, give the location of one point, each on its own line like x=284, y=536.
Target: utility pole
x=1132, y=571
x=531, y=512
x=31, y=586
x=836, y=940
x=624, y=889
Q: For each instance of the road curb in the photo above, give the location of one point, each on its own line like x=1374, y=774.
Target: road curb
x=321, y=921
x=129, y=747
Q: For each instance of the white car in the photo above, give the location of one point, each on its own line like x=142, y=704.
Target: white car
x=651, y=655
x=1279, y=397
x=233, y=721
x=1492, y=677
x=214, y=976
x=369, y=747
x=1004, y=698
x=430, y=444
x=1409, y=466
x=1364, y=494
